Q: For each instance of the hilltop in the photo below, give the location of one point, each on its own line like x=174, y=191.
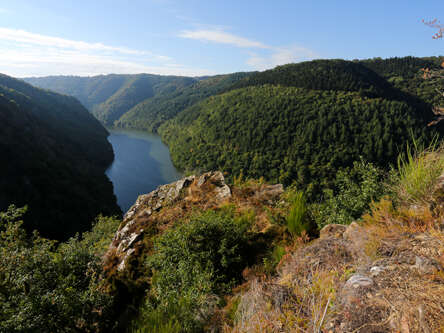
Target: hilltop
x=299, y=123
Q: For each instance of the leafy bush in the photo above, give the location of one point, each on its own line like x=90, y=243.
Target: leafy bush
x=44, y=288
x=273, y=259
x=193, y=264
x=98, y=239
x=355, y=189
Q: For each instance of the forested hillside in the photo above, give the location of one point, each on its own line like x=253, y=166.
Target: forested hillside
x=108, y=97
x=407, y=75
x=151, y=113
x=55, y=154
x=368, y=108
x=269, y=128
x=322, y=75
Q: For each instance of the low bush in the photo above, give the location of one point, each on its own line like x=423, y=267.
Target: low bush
x=193, y=265
x=355, y=189
x=49, y=288
x=297, y=218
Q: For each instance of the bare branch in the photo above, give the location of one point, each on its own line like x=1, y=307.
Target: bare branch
x=435, y=24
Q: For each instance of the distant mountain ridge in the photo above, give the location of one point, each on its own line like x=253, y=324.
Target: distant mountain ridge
x=108, y=97
x=142, y=101
x=55, y=154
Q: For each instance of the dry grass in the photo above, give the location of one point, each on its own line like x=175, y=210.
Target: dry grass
x=405, y=241
x=302, y=297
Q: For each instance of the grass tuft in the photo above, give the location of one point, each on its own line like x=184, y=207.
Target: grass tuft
x=297, y=218
x=419, y=170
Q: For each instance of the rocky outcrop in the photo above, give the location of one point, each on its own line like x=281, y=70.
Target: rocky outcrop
x=171, y=202
x=355, y=278
x=130, y=231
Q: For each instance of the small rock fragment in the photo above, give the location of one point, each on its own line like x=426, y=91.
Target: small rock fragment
x=358, y=281
x=376, y=270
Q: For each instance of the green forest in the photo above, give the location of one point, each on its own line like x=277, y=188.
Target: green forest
x=301, y=123
x=153, y=112
x=108, y=97
x=295, y=124
x=55, y=155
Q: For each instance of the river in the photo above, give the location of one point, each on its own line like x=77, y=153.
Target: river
x=141, y=163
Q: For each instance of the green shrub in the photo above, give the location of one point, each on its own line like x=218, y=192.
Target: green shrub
x=355, y=189
x=102, y=232
x=160, y=320
x=273, y=259
x=192, y=265
x=45, y=288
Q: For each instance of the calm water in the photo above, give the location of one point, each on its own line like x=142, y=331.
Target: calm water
x=142, y=162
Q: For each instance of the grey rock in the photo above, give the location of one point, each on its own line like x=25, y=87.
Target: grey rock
x=376, y=270
x=356, y=239
x=223, y=192
x=358, y=281
x=164, y=195
x=124, y=259
x=426, y=266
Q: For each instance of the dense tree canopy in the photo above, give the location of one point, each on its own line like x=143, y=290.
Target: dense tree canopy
x=288, y=134
x=151, y=113
x=54, y=156
x=344, y=109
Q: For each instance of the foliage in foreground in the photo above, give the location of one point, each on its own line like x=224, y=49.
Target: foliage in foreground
x=354, y=191
x=297, y=218
x=418, y=172
x=193, y=265
x=50, y=288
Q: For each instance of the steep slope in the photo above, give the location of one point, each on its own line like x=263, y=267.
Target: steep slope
x=108, y=97
x=291, y=134
x=407, y=75
x=151, y=113
x=182, y=243
x=55, y=155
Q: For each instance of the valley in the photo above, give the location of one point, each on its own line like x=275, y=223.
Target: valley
x=290, y=199
x=141, y=163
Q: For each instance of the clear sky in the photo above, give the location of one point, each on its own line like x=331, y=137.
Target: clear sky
x=200, y=37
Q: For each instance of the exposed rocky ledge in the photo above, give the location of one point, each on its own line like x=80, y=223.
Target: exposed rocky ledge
x=205, y=191
x=383, y=281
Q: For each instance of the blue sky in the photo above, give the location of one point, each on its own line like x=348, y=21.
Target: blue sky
x=196, y=37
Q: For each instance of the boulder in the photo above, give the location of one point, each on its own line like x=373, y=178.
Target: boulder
x=332, y=231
